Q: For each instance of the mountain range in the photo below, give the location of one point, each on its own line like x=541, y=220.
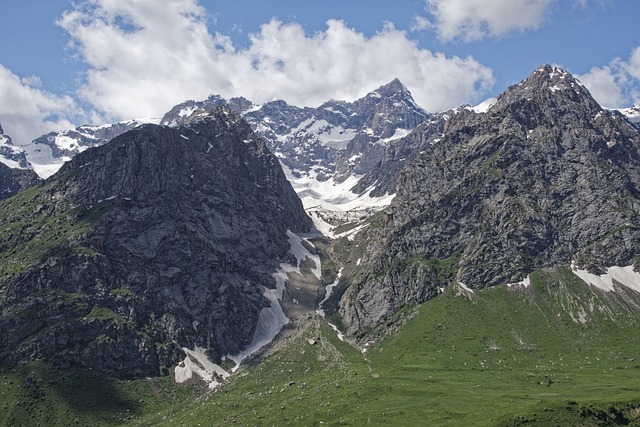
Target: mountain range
x=438, y=246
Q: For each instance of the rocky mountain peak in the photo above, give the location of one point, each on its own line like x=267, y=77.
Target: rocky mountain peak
x=393, y=88
x=550, y=94
x=544, y=178
x=166, y=237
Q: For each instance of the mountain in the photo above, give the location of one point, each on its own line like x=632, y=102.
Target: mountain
x=15, y=171
x=544, y=178
x=163, y=239
x=48, y=152
x=326, y=150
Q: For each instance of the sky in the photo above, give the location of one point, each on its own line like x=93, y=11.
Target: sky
x=65, y=63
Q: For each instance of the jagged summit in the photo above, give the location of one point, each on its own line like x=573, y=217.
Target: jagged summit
x=178, y=113
x=393, y=88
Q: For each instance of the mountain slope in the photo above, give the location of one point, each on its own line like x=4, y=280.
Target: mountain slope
x=162, y=239
x=544, y=178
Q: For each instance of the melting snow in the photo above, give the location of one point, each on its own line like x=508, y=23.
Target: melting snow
x=331, y=195
x=11, y=163
x=197, y=363
x=320, y=310
x=465, y=287
x=624, y=276
x=272, y=318
x=328, y=291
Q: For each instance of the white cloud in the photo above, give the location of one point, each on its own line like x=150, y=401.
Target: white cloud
x=470, y=20
x=28, y=111
x=143, y=59
x=604, y=87
x=616, y=84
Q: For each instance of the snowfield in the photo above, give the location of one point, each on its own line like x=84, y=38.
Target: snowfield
x=614, y=277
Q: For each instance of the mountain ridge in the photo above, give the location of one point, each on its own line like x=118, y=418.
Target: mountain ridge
x=520, y=187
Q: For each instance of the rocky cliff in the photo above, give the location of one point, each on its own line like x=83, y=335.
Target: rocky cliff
x=161, y=239
x=545, y=177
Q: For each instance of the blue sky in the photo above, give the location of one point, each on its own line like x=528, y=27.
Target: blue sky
x=65, y=63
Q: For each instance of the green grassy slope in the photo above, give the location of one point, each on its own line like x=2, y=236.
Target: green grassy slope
x=500, y=356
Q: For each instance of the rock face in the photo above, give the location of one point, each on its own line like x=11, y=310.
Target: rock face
x=13, y=181
x=161, y=239
x=543, y=178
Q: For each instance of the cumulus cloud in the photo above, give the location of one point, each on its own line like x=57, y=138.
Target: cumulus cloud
x=470, y=20
x=28, y=111
x=616, y=84
x=143, y=59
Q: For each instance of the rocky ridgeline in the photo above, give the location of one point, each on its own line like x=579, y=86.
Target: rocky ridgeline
x=335, y=140
x=161, y=239
x=56, y=147
x=543, y=178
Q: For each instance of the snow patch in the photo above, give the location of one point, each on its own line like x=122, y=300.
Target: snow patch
x=11, y=163
x=465, y=287
x=271, y=319
x=614, y=276
x=525, y=283
x=198, y=364
x=464, y=290
x=320, y=310
x=485, y=105
x=328, y=291
x=400, y=133
x=331, y=195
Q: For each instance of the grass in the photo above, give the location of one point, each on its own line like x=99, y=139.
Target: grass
x=503, y=356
